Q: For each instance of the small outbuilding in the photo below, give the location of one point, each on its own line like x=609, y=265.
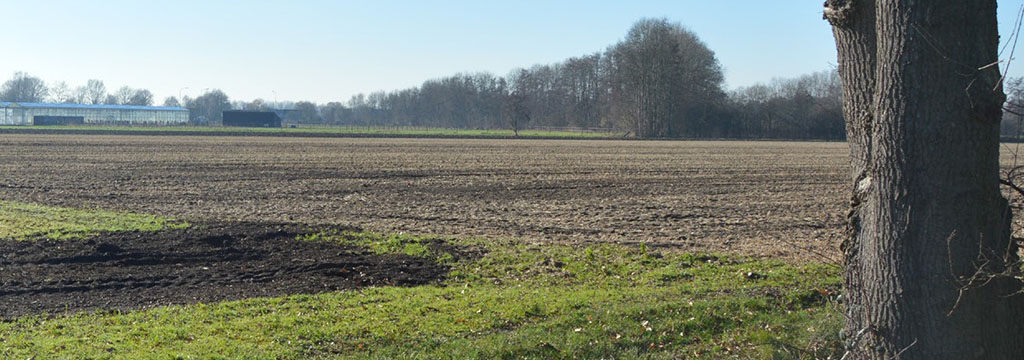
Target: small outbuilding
x=239, y=118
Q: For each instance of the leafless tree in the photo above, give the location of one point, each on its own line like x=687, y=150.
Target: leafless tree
x=122, y=96
x=23, y=88
x=60, y=93
x=516, y=109
x=255, y=105
x=141, y=97
x=308, y=113
x=130, y=96
x=209, y=107
x=806, y=107
x=1013, y=110
x=665, y=79
x=172, y=101
x=336, y=113
x=94, y=92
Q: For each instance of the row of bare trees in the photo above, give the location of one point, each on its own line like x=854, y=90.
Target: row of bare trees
x=205, y=109
x=806, y=107
x=23, y=87
x=660, y=81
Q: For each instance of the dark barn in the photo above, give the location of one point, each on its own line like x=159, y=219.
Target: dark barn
x=240, y=118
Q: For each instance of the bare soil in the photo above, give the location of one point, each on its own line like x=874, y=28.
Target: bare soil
x=215, y=262
x=768, y=199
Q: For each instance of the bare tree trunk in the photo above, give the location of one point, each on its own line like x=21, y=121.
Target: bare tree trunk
x=922, y=112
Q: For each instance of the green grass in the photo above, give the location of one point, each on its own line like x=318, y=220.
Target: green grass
x=514, y=300
x=384, y=244
x=340, y=130
x=20, y=221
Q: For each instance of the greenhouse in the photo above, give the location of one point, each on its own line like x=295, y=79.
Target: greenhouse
x=79, y=114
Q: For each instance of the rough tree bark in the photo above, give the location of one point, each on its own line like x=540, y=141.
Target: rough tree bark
x=922, y=105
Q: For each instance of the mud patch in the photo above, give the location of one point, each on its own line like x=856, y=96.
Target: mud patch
x=213, y=262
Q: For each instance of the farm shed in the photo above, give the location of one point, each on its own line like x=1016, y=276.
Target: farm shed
x=76, y=114
x=240, y=118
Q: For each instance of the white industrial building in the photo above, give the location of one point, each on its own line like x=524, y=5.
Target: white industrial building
x=75, y=114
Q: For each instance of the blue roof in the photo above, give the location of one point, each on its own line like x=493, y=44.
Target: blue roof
x=86, y=106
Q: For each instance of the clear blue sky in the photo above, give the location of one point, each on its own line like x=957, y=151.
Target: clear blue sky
x=329, y=50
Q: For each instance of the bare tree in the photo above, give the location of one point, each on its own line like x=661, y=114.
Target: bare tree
x=922, y=102
x=94, y=92
x=336, y=113
x=23, y=88
x=141, y=97
x=130, y=96
x=255, y=105
x=172, y=101
x=308, y=112
x=208, y=108
x=516, y=109
x=806, y=107
x=60, y=93
x=80, y=95
x=122, y=96
x=664, y=78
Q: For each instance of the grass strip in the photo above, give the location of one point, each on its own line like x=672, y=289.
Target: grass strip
x=512, y=300
x=21, y=221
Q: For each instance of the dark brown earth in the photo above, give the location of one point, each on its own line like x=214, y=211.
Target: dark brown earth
x=134, y=270
x=773, y=199
x=768, y=199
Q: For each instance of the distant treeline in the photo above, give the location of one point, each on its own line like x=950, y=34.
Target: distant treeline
x=660, y=81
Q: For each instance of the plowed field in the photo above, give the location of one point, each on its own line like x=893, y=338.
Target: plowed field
x=779, y=199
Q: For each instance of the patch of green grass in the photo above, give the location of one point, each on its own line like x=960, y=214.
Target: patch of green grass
x=515, y=300
x=22, y=221
x=381, y=244
x=355, y=130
